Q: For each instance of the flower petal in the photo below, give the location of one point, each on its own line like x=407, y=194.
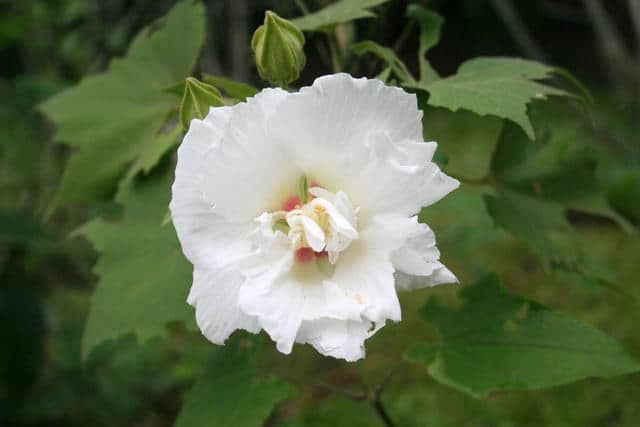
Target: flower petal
x=249, y=173
x=313, y=233
x=208, y=240
x=325, y=126
x=365, y=270
x=214, y=294
x=405, y=180
x=282, y=294
x=343, y=339
x=337, y=220
x=417, y=262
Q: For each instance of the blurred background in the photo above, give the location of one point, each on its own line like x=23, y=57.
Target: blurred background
x=45, y=276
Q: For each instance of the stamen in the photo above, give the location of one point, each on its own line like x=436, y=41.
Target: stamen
x=316, y=227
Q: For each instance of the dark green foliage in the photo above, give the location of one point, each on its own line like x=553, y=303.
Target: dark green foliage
x=144, y=277
x=117, y=117
x=230, y=391
x=500, y=342
x=549, y=200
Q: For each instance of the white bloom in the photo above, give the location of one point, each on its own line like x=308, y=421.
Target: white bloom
x=321, y=268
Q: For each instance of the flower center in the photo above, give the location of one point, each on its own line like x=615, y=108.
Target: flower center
x=324, y=225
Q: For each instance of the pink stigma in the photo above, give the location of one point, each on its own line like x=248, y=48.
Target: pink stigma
x=291, y=203
x=304, y=255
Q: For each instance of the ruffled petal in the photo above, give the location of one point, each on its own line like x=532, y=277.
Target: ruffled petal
x=365, y=270
x=362, y=142
x=214, y=294
x=325, y=126
x=405, y=177
x=250, y=173
x=441, y=275
x=282, y=294
x=343, y=339
x=208, y=240
x=417, y=262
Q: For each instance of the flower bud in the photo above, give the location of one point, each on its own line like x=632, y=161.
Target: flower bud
x=277, y=45
x=196, y=100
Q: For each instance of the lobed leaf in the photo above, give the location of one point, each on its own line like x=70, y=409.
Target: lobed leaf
x=498, y=341
x=231, y=393
x=542, y=227
x=113, y=117
x=153, y=151
x=143, y=276
x=501, y=87
x=559, y=166
x=468, y=140
x=337, y=13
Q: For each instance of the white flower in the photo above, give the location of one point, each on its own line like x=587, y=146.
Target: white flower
x=321, y=267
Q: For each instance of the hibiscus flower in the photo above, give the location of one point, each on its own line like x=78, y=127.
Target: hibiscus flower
x=299, y=213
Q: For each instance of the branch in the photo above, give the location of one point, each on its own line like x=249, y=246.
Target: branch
x=634, y=8
x=302, y=6
x=609, y=41
x=239, y=39
x=373, y=396
x=518, y=31
x=327, y=387
x=385, y=382
x=564, y=12
x=376, y=402
x=382, y=412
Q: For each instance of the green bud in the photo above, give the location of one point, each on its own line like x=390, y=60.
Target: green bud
x=277, y=45
x=196, y=100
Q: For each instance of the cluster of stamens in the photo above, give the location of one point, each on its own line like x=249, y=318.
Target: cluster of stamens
x=322, y=227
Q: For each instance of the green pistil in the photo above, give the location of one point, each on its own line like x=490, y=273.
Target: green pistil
x=303, y=188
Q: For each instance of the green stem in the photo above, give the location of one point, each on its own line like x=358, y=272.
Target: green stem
x=404, y=36
x=323, y=386
x=321, y=48
x=302, y=6
x=335, y=54
x=368, y=395
x=382, y=412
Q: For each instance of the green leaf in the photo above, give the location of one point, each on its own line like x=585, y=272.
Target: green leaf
x=231, y=393
x=384, y=74
x=198, y=97
x=153, y=151
x=625, y=195
x=112, y=117
x=239, y=91
x=386, y=54
x=430, y=25
x=143, y=277
x=542, y=227
x=337, y=13
x=468, y=140
x=176, y=88
x=501, y=87
x=466, y=233
x=497, y=341
x=559, y=166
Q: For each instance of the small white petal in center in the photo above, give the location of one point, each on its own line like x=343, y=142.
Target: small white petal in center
x=326, y=223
